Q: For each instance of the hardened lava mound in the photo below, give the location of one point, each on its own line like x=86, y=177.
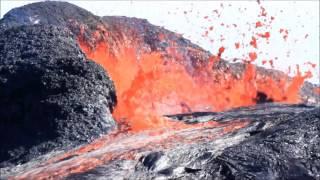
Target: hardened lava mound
x=51, y=96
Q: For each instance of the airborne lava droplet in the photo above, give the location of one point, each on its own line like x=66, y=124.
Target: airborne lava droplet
x=284, y=33
x=253, y=56
x=237, y=45
x=313, y=65
x=271, y=63
x=317, y=90
x=253, y=42
x=265, y=35
x=221, y=50
x=258, y=24
x=263, y=11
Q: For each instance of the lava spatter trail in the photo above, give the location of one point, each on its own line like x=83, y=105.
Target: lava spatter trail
x=126, y=146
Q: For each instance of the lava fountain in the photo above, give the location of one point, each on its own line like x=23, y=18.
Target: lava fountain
x=150, y=86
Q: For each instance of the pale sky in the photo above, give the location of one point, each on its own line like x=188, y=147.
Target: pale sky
x=300, y=18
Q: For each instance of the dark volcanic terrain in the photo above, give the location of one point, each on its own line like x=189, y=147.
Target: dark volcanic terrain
x=51, y=96
x=56, y=108
x=280, y=142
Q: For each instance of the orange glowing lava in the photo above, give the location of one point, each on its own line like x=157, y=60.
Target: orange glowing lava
x=317, y=90
x=149, y=86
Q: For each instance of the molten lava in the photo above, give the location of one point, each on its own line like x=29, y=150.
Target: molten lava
x=149, y=86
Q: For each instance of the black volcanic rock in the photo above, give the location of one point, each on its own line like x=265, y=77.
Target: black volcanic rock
x=51, y=12
x=148, y=38
x=55, y=13
x=291, y=150
x=281, y=142
x=51, y=96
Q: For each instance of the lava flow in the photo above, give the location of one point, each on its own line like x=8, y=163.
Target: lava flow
x=126, y=146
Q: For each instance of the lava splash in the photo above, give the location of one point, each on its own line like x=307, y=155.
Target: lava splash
x=151, y=85
x=166, y=80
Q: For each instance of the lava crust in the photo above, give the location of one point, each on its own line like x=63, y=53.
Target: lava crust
x=281, y=142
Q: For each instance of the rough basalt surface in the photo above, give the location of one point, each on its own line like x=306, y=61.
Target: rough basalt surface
x=51, y=96
x=290, y=150
x=281, y=142
x=53, y=13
